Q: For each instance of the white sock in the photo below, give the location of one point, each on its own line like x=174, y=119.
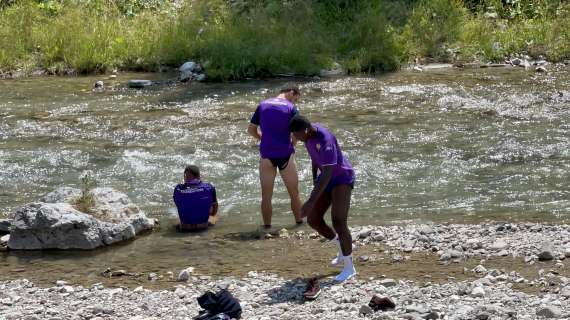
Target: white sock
x=348, y=270
x=337, y=261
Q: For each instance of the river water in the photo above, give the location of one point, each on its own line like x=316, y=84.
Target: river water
x=442, y=145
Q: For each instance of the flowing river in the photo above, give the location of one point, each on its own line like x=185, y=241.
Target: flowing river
x=442, y=145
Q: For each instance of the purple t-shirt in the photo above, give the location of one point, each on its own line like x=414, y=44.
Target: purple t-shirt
x=273, y=116
x=325, y=151
x=193, y=200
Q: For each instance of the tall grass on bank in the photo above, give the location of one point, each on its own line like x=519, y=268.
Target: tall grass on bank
x=256, y=38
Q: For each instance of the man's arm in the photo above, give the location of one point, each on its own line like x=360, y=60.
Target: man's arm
x=213, y=218
x=252, y=131
x=318, y=190
x=315, y=169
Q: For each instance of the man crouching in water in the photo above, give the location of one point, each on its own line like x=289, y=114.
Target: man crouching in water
x=196, y=202
x=333, y=186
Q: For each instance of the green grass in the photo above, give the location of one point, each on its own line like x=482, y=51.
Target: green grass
x=258, y=38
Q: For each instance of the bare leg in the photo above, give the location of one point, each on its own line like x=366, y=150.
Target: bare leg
x=291, y=180
x=315, y=217
x=340, y=204
x=267, y=173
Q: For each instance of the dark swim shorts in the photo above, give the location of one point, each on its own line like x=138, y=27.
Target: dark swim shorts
x=336, y=181
x=280, y=163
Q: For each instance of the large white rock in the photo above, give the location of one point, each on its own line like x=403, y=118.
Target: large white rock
x=113, y=218
x=53, y=226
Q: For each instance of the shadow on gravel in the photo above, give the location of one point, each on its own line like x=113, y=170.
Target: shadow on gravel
x=292, y=291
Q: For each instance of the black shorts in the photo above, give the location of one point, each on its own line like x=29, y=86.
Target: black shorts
x=280, y=163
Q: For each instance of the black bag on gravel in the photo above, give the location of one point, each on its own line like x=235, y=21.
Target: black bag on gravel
x=220, y=303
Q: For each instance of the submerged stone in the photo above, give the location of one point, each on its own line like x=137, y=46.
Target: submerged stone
x=139, y=84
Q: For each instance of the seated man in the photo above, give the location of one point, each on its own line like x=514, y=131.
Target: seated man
x=196, y=202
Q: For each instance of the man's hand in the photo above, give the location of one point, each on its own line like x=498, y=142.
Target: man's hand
x=253, y=131
x=307, y=208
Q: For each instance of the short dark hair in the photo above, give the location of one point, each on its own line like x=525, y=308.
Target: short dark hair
x=290, y=86
x=299, y=123
x=193, y=170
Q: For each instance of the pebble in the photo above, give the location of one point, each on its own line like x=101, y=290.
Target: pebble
x=184, y=275
x=549, y=312
x=387, y=283
x=478, y=292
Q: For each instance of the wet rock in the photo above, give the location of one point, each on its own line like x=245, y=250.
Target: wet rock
x=432, y=316
x=283, y=233
x=152, y=276
x=388, y=283
x=184, y=275
x=5, y=226
x=98, y=85
x=480, y=269
x=549, y=312
x=540, y=69
x=335, y=70
x=139, y=84
x=4, y=239
x=546, y=254
x=191, y=71
x=119, y=273
x=365, y=310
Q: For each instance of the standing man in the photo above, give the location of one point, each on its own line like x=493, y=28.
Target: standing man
x=333, y=186
x=196, y=202
x=270, y=124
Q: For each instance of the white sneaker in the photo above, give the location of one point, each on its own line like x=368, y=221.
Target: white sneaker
x=348, y=270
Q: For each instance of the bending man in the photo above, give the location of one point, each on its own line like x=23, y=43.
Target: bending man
x=276, y=149
x=333, y=186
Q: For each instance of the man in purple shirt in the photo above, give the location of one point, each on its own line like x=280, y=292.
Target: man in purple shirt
x=333, y=186
x=196, y=202
x=270, y=124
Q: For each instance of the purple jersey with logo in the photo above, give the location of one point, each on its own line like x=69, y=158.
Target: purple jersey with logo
x=193, y=200
x=273, y=116
x=325, y=151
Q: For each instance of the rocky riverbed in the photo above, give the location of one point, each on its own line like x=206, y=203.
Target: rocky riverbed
x=265, y=296
x=487, y=290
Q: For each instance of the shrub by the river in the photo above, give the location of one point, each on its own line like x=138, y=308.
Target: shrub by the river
x=239, y=39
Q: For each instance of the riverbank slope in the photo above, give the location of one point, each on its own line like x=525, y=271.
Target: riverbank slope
x=244, y=39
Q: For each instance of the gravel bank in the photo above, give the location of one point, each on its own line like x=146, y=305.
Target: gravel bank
x=266, y=296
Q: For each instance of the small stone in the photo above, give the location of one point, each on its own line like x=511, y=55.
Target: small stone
x=364, y=233
x=478, y=292
x=545, y=255
x=364, y=258
x=118, y=273
x=365, y=310
x=433, y=315
x=388, y=283
x=483, y=316
x=480, y=269
x=540, y=69
x=284, y=233
x=98, y=85
x=549, y=312
x=60, y=283
x=139, y=84
x=4, y=239
x=67, y=289
x=184, y=275
x=152, y=276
